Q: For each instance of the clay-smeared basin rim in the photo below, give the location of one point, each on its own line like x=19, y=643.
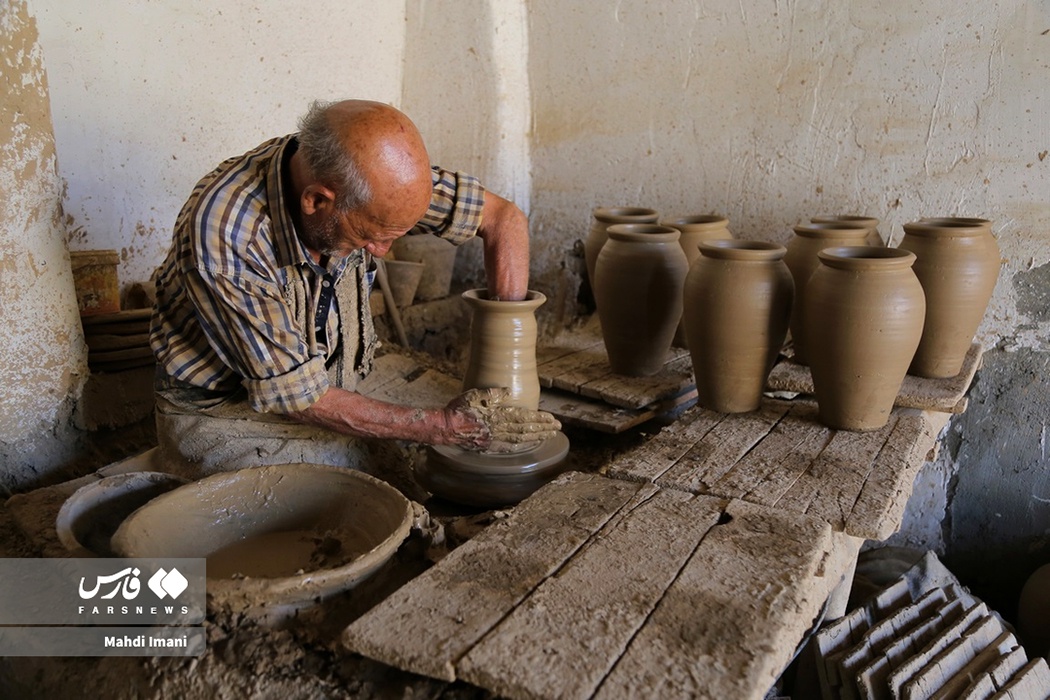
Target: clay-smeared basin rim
x=103, y=500
x=223, y=506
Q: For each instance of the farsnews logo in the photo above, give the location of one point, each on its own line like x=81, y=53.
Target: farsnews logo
x=126, y=583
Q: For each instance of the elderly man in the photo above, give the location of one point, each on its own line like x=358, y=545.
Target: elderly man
x=262, y=325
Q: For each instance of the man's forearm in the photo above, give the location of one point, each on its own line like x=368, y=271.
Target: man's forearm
x=505, y=232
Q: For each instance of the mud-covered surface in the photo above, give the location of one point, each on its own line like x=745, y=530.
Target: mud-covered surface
x=246, y=659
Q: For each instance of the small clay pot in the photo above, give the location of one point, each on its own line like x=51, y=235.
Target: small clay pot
x=695, y=229
x=869, y=223
x=801, y=259
x=404, y=277
x=957, y=263
x=503, y=346
x=863, y=315
x=604, y=217
x=638, y=286
x=438, y=257
x=737, y=302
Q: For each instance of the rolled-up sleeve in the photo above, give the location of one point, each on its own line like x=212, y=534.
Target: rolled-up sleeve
x=249, y=326
x=455, y=206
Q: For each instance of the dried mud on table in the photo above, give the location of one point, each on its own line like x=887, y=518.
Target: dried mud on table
x=597, y=587
x=780, y=456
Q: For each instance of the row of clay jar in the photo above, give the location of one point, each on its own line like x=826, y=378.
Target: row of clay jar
x=860, y=315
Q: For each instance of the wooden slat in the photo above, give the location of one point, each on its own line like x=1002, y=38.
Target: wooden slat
x=769, y=470
x=650, y=460
x=566, y=636
x=915, y=392
x=728, y=624
x=430, y=623
x=879, y=508
x=831, y=485
x=571, y=409
x=721, y=448
x=675, y=378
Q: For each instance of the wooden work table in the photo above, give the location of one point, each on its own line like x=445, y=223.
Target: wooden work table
x=692, y=565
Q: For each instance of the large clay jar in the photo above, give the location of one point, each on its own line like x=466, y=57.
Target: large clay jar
x=503, y=346
x=604, y=217
x=863, y=315
x=957, y=264
x=737, y=301
x=638, y=287
x=868, y=223
x=695, y=229
x=801, y=259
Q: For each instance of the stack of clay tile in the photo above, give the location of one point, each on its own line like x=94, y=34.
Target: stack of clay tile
x=118, y=341
x=926, y=637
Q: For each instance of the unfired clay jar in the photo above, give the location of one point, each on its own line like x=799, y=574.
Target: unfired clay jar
x=438, y=257
x=695, y=229
x=957, y=264
x=801, y=259
x=863, y=315
x=604, y=217
x=1033, y=613
x=869, y=223
x=638, y=286
x=503, y=346
x=737, y=302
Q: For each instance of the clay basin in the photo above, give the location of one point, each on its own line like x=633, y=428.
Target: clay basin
x=275, y=535
x=87, y=519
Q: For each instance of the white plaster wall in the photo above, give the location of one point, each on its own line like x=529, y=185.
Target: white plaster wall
x=42, y=351
x=774, y=112
x=148, y=97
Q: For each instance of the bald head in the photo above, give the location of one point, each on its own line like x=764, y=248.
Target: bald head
x=368, y=153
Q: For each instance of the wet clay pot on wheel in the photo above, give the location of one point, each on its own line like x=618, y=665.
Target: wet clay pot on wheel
x=604, y=217
x=695, y=229
x=801, y=259
x=638, y=286
x=503, y=346
x=737, y=301
x=869, y=223
x=957, y=264
x=863, y=314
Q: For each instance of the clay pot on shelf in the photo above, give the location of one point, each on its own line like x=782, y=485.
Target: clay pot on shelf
x=958, y=265
x=404, y=277
x=503, y=346
x=863, y=316
x=438, y=257
x=638, y=287
x=737, y=302
x=869, y=223
x=604, y=217
x=801, y=259
x=695, y=229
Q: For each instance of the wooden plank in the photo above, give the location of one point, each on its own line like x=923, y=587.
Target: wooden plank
x=911, y=668
x=831, y=485
x=571, y=409
x=936, y=674
x=636, y=392
x=731, y=621
x=1031, y=682
x=568, y=341
x=879, y=508
x=566, y=636
x=721, y=448
x=768, y=471
x=427, y=625
x=649, y=461
x=915, y=392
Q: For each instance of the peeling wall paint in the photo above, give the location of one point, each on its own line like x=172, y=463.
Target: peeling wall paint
x=149, y=97
x=42, y=347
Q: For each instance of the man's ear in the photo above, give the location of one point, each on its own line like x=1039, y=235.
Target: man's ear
x=317, y=199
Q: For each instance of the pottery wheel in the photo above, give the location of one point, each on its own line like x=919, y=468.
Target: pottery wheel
x=491, y=480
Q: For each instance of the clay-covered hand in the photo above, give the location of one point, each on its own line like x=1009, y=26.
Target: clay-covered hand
x=501, y=428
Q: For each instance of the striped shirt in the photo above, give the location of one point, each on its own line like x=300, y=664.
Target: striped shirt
x=225, y=317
